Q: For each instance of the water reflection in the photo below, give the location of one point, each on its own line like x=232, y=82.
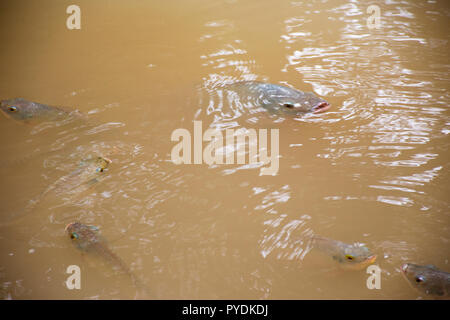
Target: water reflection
x=371, y=169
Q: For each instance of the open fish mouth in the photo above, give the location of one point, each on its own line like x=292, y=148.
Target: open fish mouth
x=68, y=226
x=360, y=265
x=322, y=107
x=365, y=263
x=107, y=160
x=371, y=259
x=404, y=268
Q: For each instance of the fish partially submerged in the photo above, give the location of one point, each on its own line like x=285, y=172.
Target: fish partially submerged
x=89, y=172
x=88, y=239
x=349, y=256
x=26, y=111
x=277, y=98
x=427, y=279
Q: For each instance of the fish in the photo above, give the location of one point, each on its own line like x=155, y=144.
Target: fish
x=356, y=256
x=277, y=98
x=25, y=111
x=427, y=279
x=87, y=238
x=89, y=172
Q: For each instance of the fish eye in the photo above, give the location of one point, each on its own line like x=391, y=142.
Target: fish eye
x=100, y=169
x=12, y=108
x=419, y=279
x=73, y=236
x=349, y=257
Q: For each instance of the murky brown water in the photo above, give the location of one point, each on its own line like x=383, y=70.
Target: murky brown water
x=373, y=169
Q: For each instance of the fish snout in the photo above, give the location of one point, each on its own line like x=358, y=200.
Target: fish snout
x=68, y=226
x=404, y=268
x=322, y=107
x=372, y=258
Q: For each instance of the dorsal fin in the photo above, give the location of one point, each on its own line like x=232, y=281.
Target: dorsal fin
x=94, y=228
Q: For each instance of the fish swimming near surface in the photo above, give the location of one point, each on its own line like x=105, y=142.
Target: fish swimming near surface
x=427, y=279
x=89, y=172
x=26, y=111
x=40, y=117
x=349, y=256
x=277, y=98
x=88, y=239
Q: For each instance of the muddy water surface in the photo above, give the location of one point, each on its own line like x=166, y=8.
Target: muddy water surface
x=372, y=169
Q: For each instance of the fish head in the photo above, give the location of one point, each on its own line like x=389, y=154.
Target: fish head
x=423, y=278
x=301, y=103
x=355, y=257
x=18, y=109
x=99, y=164
x=81, y=235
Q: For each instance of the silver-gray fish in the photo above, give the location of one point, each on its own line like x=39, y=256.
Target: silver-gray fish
x=88, y=239
x=349, y=256
x=427, y=279
x=277, y=98
x=26, y=111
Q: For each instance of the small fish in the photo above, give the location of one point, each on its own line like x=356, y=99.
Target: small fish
x=79, y=180
x=427, y=279
x=277, y=98
x=88, y=239
x=26, y=111
x=88, y=173
x=350, y=256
